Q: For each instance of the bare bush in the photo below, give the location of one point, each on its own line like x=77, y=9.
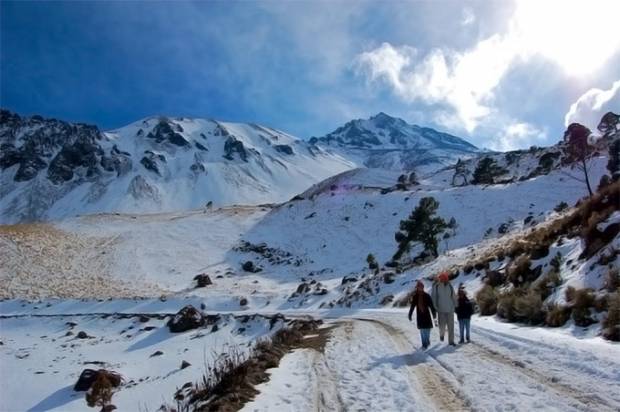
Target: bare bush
x=611, y=323
x=557, y=315
x=486, y=298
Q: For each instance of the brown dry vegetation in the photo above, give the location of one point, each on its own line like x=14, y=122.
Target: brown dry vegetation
x=230, y=381
x=524, y=301
x=39, y=260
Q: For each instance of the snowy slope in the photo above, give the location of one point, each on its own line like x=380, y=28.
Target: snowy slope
x=50, y=357
x=323, y=237
x=53, y=169
x=386, y=142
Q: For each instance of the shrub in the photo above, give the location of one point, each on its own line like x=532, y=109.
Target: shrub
x=556, y=262
x=557, y=315
x=506, y=305
x=611, y=323
x=518, y=271
x=612, y=281
x=494, y=278
x=100, y=393
x=548, y=283
x=528, y=308
x=583, y=300
x=486, y=298
x=560, y=207
x=569, y=293
x=600, y=304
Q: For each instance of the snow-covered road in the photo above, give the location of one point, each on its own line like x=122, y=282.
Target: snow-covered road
x=372, y=361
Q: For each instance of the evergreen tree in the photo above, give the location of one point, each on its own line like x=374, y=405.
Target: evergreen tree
x=421, y=226
x=486, y=171
x=578, y=149
x=609, y=123
x=372, y=262
x=613, y=164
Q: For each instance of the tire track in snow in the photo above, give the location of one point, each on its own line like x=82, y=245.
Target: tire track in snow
x=574, y=397
x=587, y=400
x=442, y=393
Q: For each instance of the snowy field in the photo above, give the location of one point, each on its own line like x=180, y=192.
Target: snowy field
x=118, y=276
x=372, y=361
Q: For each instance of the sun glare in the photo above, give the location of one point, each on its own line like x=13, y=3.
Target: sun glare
x=578, y=35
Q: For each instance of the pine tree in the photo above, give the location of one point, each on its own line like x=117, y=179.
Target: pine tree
x=578, y=149
x=372, y=262
x=421, y=226
x=486, y=171
x=609, y=123
x=613, y=164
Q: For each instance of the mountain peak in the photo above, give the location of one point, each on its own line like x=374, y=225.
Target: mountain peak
x=382, y=115
x=390, y=142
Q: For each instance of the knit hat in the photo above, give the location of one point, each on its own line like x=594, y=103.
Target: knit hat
x=443, y=277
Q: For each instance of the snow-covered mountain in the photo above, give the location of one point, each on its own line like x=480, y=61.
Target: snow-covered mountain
x=53, y=169
x=387, y=142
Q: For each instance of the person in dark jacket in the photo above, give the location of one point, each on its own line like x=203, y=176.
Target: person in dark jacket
x=464, y=310
x=423, y=304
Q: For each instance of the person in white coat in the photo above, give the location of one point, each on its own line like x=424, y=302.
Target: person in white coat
x=444, y=299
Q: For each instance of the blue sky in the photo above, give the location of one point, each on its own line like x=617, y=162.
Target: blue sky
x=500, y=74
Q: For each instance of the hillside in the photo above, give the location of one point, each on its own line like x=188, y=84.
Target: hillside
x=53, y=169
x=120, y=278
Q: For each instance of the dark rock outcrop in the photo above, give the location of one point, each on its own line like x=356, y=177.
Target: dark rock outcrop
x=232, y=146
x=186, y=319
x=165, y=131
x=202, y=280
x=284, y=148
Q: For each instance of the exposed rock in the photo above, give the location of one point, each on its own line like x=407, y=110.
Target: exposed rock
x=388, y=277
x=164, y=131
x=157, y=353
x=284, y=148
x=202, y=280
x=302, y=288
x=186, y=319
x=348, y=279
x=185, y=364
x=243, y=302
x=82, y=335
x=139, y=188
x=249, y=266
x=232, y=146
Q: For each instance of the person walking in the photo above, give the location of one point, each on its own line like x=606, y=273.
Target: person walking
x=444, y=299
x=464, y=310
x=422, y=303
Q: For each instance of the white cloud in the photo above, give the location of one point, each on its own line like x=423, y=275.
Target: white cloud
x=462, y=81
x=592, y=105
x=460, y=85
x=518, y=135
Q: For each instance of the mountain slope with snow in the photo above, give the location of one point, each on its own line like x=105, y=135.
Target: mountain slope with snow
x=386, y=142
x=53, y=169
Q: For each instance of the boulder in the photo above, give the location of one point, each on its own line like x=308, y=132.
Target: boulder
x=186, y=319
x=250, y=267
x=202, y=280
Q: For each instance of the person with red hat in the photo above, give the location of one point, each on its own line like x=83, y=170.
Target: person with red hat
x=444, y=299
x=423, y=304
